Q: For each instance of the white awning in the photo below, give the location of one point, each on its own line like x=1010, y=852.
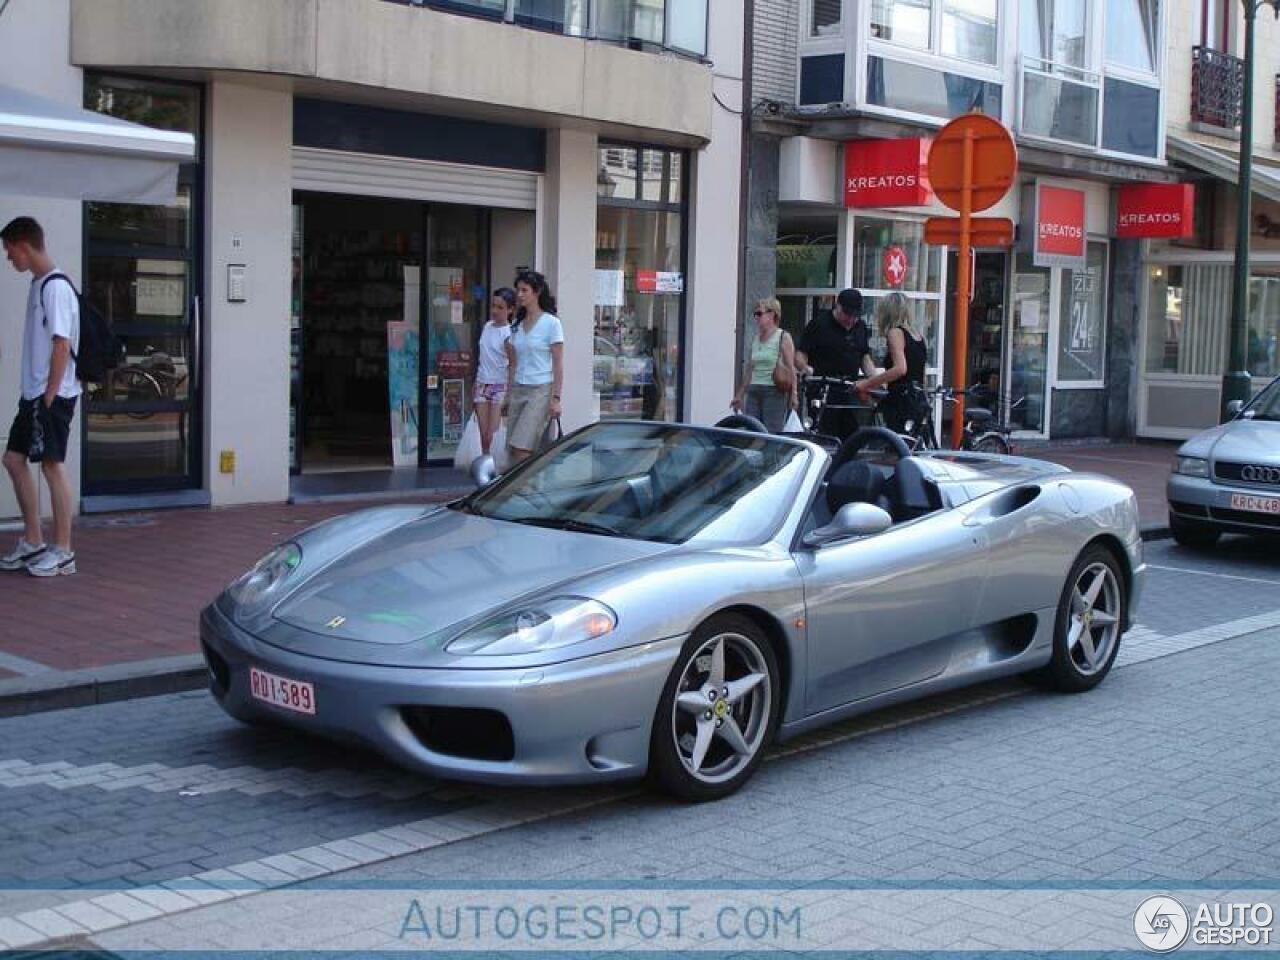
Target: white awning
x=50, y=149
x=1224, y=166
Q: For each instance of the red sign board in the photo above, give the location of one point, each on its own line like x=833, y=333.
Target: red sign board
x=887, y=173
x=895, y=266
x=1060, y=233
x=1156, y=210
x=659, y=281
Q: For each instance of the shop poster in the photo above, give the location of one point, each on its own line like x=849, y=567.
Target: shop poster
x=402, y=381
x=403, y=350
x=454, y=404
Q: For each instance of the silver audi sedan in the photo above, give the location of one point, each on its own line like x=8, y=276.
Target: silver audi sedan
x=668, y=599
x=1227, y=479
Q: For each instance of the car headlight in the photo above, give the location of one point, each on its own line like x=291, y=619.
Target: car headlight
x=267, y=574
x=1192, y=467
x=537, y=627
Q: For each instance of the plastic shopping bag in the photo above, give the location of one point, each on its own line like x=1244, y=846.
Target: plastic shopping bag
x=468, y=445
x=498, y=449
x=793, y=424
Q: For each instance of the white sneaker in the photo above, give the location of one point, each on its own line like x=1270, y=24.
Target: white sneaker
x=23, y=554
x=53, y=562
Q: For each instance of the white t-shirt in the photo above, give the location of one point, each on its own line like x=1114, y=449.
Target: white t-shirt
x=58, y=316
x=533, y=349
x=493, y=353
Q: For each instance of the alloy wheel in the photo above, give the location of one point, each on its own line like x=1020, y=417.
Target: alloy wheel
x=721, y=711
x=1094, y=624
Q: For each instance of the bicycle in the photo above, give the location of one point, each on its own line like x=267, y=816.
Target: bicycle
x=815, y=401
x=983, y=432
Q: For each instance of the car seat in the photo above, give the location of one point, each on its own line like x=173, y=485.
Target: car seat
x=856, y=481
x=910, y=492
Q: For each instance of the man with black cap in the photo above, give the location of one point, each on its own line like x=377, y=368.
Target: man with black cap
x=837, y=343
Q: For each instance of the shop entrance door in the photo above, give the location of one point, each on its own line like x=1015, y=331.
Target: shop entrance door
x=390, y=298
x=1026, y=372
x=985, y=363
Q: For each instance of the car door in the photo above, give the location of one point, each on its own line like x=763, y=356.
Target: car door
x=881, y=610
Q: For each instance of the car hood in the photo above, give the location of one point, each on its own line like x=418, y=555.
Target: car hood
x=1240, y=441
x=443, y=570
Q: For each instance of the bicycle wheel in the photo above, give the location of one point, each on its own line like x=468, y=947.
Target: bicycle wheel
x=990, y=442
x=137, y=385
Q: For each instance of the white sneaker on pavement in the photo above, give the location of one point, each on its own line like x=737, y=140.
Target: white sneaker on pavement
x=53, y=562
x=21, y=555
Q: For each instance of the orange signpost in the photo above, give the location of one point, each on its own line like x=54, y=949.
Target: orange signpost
x=983, y=231
x=972, y=165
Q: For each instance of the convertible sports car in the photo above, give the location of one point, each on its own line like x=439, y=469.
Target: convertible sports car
x=669, y=599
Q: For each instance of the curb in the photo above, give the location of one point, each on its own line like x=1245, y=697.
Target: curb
x=63, y=689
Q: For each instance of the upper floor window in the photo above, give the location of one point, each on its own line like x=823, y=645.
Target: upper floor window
x=1133, y=34
x=960, y=29
x=1069, y=95
x=826, y=18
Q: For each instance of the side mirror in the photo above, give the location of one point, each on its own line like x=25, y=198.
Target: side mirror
x=1234, y=407
x=853, y=520
x=483, y=471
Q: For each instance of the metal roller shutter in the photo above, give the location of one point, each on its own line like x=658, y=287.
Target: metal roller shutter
x=332, y=171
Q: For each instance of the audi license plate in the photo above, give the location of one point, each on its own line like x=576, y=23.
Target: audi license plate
x=1246, y=501
x=292, y=695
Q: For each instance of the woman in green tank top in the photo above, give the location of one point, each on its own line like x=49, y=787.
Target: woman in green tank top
x=759, y=395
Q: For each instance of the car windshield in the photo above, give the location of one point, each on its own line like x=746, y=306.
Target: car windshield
x=1266, y=405
x=649, y=481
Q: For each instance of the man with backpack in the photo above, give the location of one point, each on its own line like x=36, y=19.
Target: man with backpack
x=48, y=402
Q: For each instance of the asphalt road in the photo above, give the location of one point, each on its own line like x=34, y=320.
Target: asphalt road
x=1153, y=778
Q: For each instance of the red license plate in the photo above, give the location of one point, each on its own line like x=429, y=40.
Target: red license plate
x=1246, y=501
x=294, y=695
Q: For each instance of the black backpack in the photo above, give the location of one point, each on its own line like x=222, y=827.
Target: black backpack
x=101, y=351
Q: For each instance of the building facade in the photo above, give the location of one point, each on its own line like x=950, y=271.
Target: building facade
x=1188, y=281
x=844, y=103
x=367, y=173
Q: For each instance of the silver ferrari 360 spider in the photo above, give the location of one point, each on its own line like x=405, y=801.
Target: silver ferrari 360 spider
x=668, y=599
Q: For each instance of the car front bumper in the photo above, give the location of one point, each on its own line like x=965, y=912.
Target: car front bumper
x=1202, y=500
x=577, y=721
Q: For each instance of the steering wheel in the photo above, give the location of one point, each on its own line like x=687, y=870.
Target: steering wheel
x=740, y=421
x=864, y=438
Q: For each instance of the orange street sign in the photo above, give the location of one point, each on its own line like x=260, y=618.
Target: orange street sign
x=994, y=162
x=983, y=231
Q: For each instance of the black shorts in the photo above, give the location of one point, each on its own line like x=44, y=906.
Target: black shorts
x=49, y=441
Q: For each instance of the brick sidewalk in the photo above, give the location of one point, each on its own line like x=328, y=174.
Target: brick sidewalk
x=145, y=577
x=142, y=581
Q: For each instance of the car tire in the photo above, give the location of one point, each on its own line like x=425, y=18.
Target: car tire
x=1084, y=648
x=747, y=659
x=1193, y=535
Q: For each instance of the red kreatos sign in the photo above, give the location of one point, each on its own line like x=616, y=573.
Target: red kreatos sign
x=1155, y=210
x=1060, y=234
x=886, y=173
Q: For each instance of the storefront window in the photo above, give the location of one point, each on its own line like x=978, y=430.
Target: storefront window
x=142, y=426
x=1029, y=343
x=1263, y=359
x=1082, y=321
x=1188, y=319
x=639, y=290
x=885, y=250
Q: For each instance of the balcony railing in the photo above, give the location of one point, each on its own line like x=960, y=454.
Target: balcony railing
x=676, y=25
x=1217, y=88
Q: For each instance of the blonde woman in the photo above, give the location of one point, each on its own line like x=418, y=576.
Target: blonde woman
x=903, y=364
x=759, y=395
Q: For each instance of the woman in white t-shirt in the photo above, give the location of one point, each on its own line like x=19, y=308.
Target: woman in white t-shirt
x=538, y=372
x=496, y=357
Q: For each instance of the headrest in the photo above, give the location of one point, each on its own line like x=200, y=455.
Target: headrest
x=854, y=482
